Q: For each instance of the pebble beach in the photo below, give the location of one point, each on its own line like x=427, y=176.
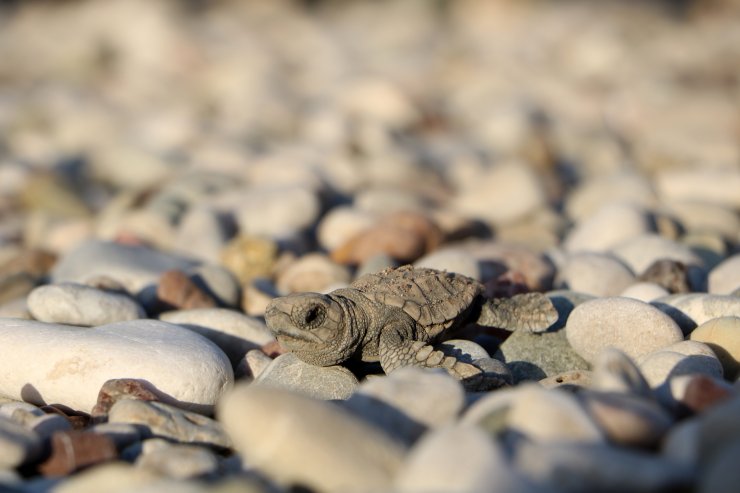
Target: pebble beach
x=167, y=168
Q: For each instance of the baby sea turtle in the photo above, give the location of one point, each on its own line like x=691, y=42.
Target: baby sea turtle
x=395, y=316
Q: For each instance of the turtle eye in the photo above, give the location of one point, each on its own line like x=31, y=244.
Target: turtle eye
x=314, y=316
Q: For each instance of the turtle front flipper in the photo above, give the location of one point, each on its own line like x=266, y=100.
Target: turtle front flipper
x=396, y=351
x=533, y=312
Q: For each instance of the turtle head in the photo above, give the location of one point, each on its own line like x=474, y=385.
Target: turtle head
x=312, y=326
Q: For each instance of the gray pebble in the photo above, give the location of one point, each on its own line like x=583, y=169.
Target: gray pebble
x=289, y=372
x=176, y=460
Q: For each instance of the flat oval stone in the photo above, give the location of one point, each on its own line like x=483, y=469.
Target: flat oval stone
x=724, y=278
x=77, y=304
x=722, y=334
x=133, y=266
x=294, y=439
x=288, y=372
x=232, y=331
x=635, y=327
x=43, y=363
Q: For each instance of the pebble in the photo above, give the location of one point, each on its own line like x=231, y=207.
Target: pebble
x=218, y=282
x=715, y=187
x=635, y=327
x=17, y=444
x=234, y=332
x=587, y=467
x=176, y=460
x=496, y=258
x=607, y=227
x=698, y=392
x=77, y=304
x=694, y=309
x=165, y=421
x=627, y=419
x=614, y=371
x=642, y=251
x=249, y=257
x=403, y=235
x=568, y=380
x=602, y=190
x=408, y=402
x=74, y=450
x=252, y=365
x=277, y=212
x=502, y=194
x=342, y=223
x=314, y=272
x=644, y=291
x=201, y=233
x=452, y=260
x=288, y=372
x=458, y=458
x=114, y=477
x=594, y=274
x=134, y=266
x=674, y=276
x=725, y=277
x=546, y=416
x=305, y=438
x=660, y=366
x=114, y=390
x=532, y=356
x=722, y=335
x=176, y=290
x=77, y=361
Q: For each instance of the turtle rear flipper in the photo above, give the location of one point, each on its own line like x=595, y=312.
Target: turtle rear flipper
x=533, y=312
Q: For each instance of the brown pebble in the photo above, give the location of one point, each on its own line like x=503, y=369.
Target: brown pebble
x=177, y=291
x=75, y=450
x=703, y=392
x=670, y=274
x=122, y=388
x=404, y=236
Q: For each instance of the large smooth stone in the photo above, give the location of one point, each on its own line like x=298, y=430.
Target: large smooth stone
x=51, y=363
x=635, y=327
x=77, y=304
x=232, y=331
x=298, y=440
x=133, y=266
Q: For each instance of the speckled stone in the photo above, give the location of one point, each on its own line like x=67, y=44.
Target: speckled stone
x=635, y=327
